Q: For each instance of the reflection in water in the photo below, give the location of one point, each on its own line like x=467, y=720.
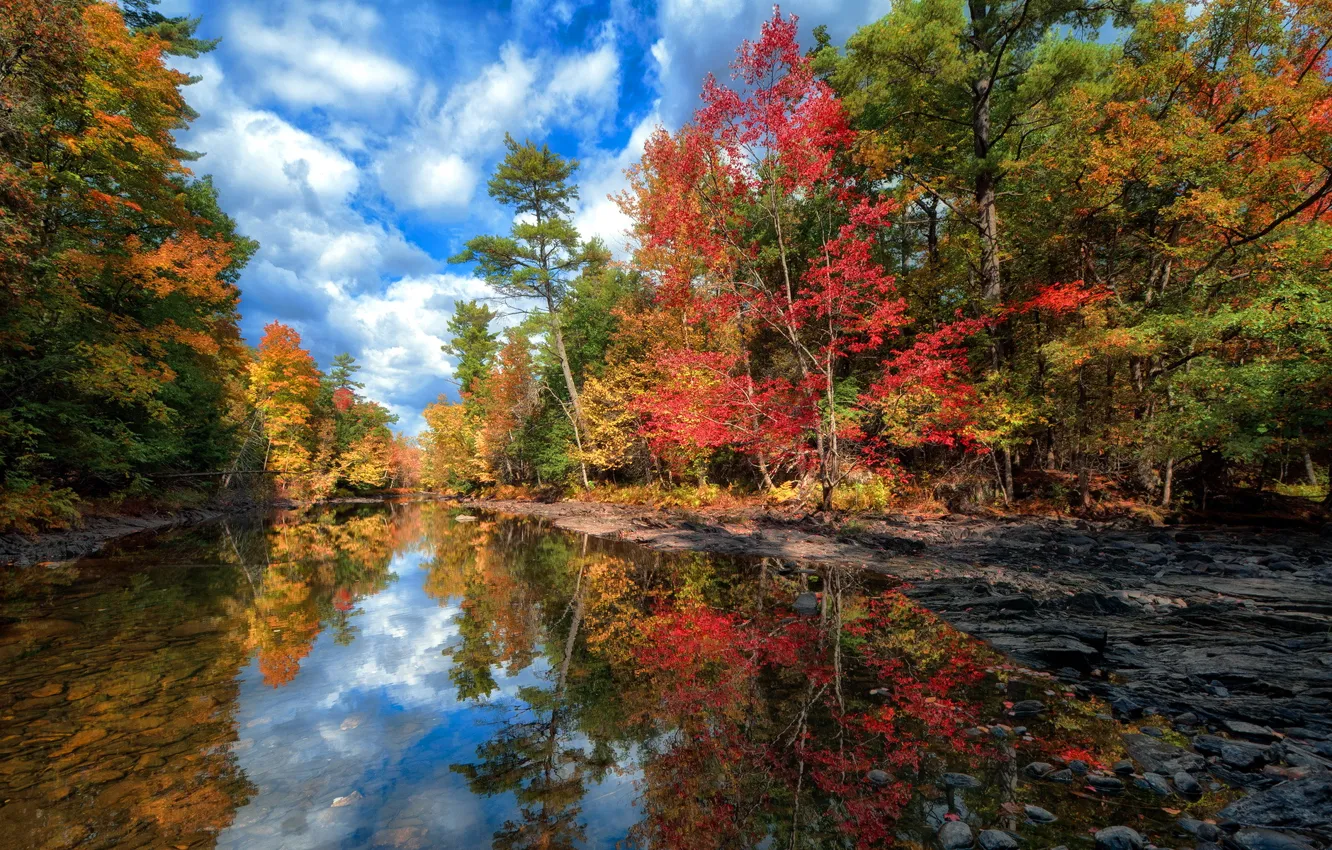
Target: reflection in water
x=385, y=676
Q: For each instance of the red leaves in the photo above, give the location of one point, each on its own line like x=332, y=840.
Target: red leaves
x=343, y=399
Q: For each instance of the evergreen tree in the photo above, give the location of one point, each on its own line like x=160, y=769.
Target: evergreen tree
x=473, y=343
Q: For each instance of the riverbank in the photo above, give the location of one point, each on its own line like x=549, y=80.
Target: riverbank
x=95, y=532
x=1218, y=625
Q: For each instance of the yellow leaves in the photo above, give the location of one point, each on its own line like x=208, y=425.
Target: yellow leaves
x=451, y=454
x=611, y=440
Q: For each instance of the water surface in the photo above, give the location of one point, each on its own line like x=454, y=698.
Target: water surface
x=391, y=676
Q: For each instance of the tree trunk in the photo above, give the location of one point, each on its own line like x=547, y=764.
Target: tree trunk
x=987, y=214
x=579, y=428
x=1169, y=482
x=1309, y=471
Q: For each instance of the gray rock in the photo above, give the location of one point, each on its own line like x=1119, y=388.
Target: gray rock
x=1105, y=784
x=807, y=604
x=955, y=835
x=960, y=780
x=1159, y=757
x=1038, y=769
x=997, y=839
x=1186, y=784
x=1267, y=839
x=1154, y=782
x=1028, y=708
x=1036, y=814
x=1299, y=804
x=1063, y=777
x=1118, y=838
x=878, y=777
x=1123, y=768
x=1252, y=731
x=1078, y=766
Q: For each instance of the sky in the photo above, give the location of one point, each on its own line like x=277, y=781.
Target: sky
x=353, y=141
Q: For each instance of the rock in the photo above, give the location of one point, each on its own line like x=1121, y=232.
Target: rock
x=1105, y=784
x=960, y=780
x=1123, y=768
x=997, y=839
x=1186, y=784
x=1126, y=707
x=955, y=835
x=1063, y=777
x=1252, y=731
x=1036, y=814
x=204, y=626
x=1202, y=829
x=807, y=604
x=50, y=689
x=1154, y=782
x=1237, y=754
x=1153, y=731
x=1159, y=757
x=1299, y=804
x=464, y=518
x=878, y=777
x=1118, y=838
x=353, y=797
x=1267, y=839
x=1028, y=708
x=1078, y=766
x=1038, y=769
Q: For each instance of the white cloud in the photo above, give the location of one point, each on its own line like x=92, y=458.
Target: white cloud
x=437, y=165
x=319, y=54
x=603, y=176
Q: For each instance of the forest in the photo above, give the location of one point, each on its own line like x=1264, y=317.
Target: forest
x=989, y=253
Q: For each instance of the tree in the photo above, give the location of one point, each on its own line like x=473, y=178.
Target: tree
x=750, y=220
x=119, y=351
x=952, y=91
x=543, y=251
x=284, y=386
x=344, y=370
x=472, y=342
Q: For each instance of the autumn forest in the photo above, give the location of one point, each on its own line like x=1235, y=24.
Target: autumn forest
x=984, y=253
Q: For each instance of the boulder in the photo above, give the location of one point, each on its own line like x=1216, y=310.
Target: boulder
x=1156, y=756
x=997, y=839
x=1267, y=839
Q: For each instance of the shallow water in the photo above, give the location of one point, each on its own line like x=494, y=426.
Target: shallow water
x=390, y=676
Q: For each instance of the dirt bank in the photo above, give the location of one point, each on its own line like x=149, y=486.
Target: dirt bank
x=1223, y=623
x=95, y=532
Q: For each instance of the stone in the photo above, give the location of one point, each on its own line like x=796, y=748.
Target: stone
x=1154, y=782
x=960, y=780
x=1160, y=757
x=1028, y=708
x=807, y=604
x=1298, y=804
x=50, y=689
x=1252, y=731
x=353, y=797
x=1123, y=768
x=1268, y=839
x=1186, y=784
x=997, y=839
x=1036, y=814
x=1105, y=784
x=1038, y=769
x=1153, y=731
x=878, y=777
x=1078, y=766
x=955, y=835
x=1118, y=838
x=464, y=518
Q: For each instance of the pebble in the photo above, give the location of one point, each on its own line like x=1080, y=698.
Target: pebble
x=1118, y=838
x=339, y=802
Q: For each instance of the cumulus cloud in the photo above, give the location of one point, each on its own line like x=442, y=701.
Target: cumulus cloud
x=437, y=165
x=318, y=54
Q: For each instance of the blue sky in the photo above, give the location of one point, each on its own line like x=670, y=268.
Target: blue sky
x=353, y=140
